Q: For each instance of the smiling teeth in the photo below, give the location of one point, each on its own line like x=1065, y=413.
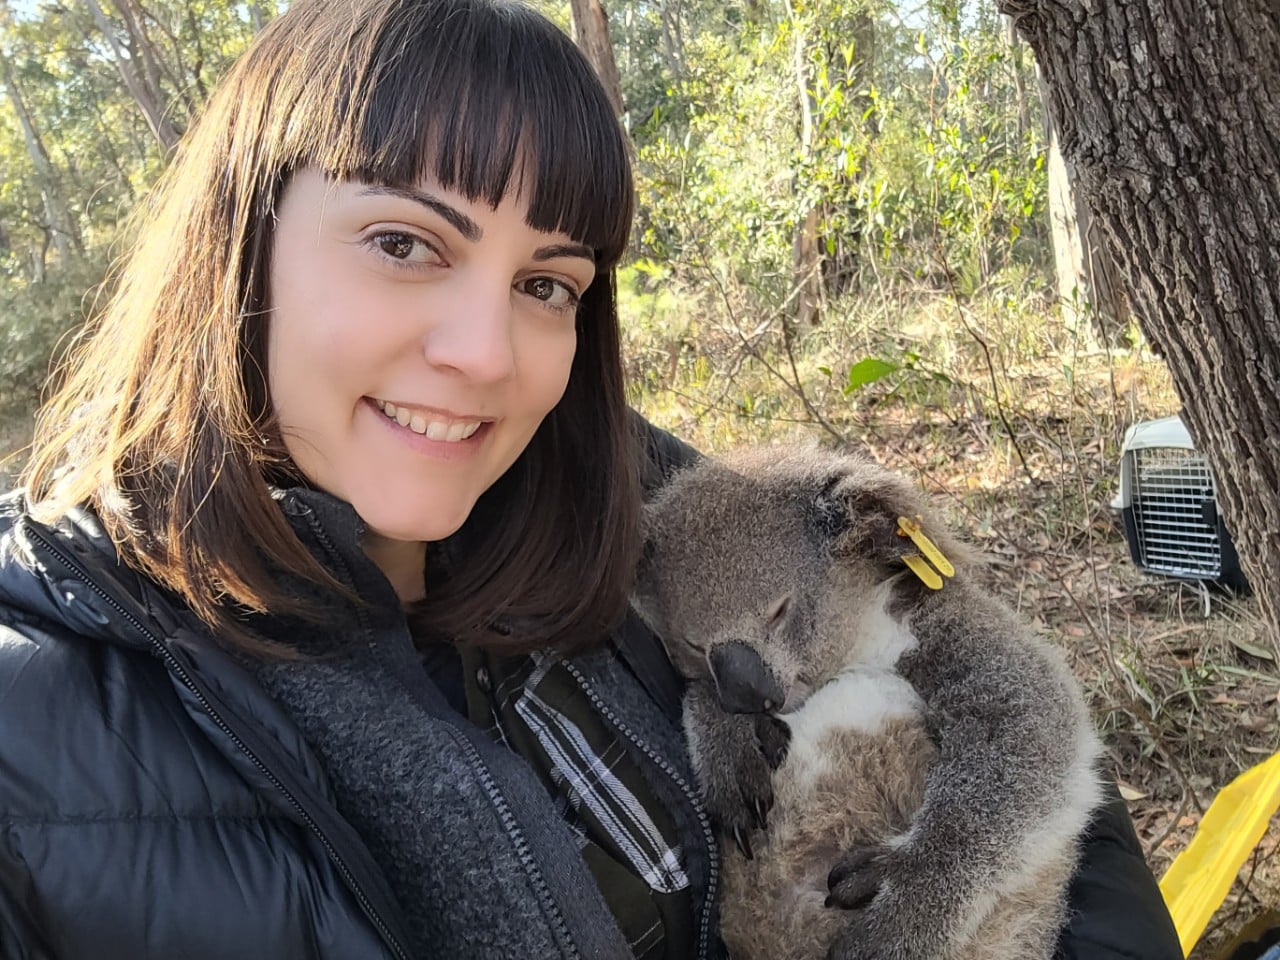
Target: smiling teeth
x=449, y=432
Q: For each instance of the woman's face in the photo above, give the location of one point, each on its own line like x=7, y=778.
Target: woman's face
x=416, y=341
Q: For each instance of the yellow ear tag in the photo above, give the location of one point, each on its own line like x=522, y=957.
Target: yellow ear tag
x=910, y=528
x=928, y=576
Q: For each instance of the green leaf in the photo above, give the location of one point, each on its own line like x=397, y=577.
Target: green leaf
x=866, y=371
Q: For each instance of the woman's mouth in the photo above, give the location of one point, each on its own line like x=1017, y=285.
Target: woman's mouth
x=430, y=425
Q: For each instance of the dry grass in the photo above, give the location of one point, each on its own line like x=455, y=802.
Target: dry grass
x=1023, y=451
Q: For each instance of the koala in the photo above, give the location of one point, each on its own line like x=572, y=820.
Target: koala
x=907, y=771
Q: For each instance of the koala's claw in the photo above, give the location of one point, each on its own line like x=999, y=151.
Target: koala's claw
x=740, y=797
x=857, y=878
x=738, y=808
x=761, y=811
x=775, y=739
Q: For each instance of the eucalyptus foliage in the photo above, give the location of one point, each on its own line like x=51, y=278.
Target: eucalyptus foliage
x=869, y=143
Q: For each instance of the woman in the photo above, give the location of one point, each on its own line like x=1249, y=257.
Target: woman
x=347, y=454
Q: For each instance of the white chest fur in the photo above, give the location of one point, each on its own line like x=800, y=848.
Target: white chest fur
x=861, y=699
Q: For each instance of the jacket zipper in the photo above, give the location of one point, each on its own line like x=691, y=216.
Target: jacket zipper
x=482, y=772
x=522, y=848
x=713, y=855
x=176, y=667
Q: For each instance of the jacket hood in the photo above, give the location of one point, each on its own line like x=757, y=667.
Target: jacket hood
x=68, y=573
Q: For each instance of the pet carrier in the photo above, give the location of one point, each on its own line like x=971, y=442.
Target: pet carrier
x=1170, y=507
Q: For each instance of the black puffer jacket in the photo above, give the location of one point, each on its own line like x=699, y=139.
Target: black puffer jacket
x=156, y=803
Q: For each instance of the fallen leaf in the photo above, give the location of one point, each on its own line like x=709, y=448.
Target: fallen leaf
x=1252, y=724
x=1129, y=792
x=1262, y=653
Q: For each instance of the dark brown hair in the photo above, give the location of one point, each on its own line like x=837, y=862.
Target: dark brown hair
x=163, y=421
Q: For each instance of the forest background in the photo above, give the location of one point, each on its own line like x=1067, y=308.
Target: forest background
x=853, y=226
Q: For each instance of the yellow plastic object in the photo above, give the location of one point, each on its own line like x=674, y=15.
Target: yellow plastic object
x=910, y=528
x=1198, y=880
x=926, y=573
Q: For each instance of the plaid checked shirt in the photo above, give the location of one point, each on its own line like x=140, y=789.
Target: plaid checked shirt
x=536, y=707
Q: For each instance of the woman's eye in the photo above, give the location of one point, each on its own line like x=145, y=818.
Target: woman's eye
x=401, y=246
x=551, y=292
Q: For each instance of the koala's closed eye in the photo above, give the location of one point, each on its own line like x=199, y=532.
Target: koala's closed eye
x=777, y=613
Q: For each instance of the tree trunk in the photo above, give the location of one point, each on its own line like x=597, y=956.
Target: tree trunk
x=59, y=224
x=141, y=49
x=806, y=253
x=591, y=30
x=1020, y=88
x=149, y=99
x=672, y=38
x=824, y=261
x=256, y=19
x=1168, y=113
x=1089, y=285
x=38, y=259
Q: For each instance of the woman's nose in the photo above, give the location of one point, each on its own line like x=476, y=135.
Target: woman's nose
x=473, y=337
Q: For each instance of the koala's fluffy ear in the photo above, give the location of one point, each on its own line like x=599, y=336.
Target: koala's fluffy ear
x=858, y=515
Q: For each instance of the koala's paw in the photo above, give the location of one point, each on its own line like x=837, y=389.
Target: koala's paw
x=875, y=933
x=882, y=921
x=857, y=877
x=734, y=756
x=739, y=798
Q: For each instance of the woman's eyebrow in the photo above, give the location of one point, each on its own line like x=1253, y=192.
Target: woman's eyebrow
x=557, y=250
x=469, y=229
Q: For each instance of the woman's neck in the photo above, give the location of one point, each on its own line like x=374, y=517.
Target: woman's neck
x=402, y=562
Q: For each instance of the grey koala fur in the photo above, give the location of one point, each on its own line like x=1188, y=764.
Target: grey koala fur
x=941, y=765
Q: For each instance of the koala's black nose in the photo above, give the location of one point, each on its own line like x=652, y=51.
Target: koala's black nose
x=744, y=683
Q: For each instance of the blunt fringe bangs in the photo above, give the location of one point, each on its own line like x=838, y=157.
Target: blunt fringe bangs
x=482, y=97
x=163, y=424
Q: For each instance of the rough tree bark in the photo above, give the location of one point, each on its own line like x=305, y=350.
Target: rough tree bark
x=1087, y=279
x=1169, y=113
x=1088, y=282
x=591, y=31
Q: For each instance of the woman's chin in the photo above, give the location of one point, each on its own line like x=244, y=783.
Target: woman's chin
x=401, y=526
